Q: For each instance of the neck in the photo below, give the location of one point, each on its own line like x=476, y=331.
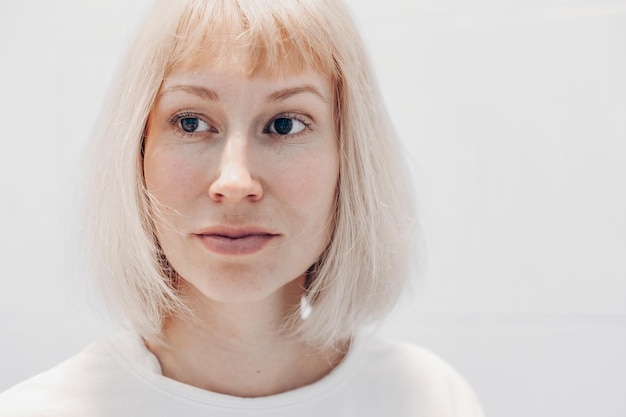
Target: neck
x=241, y=349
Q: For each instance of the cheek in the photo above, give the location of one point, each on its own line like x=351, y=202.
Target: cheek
x=171, y=177
x=308, y=183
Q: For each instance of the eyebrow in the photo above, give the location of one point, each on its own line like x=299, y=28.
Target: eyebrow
x=290, y=92
x=196, y=90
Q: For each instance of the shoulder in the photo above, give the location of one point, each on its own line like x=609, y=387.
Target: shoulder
x=85, y=376
x=406, y=360
x=408, y=371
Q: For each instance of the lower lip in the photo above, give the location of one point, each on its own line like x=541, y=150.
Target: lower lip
x=245, y=245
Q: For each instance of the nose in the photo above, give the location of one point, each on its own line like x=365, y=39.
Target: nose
x=234, y=181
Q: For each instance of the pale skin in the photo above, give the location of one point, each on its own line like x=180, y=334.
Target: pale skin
x=243, y=174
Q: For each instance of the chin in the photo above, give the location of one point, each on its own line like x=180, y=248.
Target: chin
x=242, y=289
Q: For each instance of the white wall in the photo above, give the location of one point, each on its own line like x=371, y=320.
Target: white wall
x=514, y=115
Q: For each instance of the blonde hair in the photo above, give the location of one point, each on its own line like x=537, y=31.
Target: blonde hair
x=361, y=273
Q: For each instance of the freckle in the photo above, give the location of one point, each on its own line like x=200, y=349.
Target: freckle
x=258, y=372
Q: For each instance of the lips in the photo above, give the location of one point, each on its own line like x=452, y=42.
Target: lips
x=235, y=241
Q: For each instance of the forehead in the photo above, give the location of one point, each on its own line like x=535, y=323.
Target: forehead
x=211, y=77
x=235, y=63
x=242, y=60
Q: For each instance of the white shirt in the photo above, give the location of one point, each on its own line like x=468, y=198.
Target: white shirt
x=120, y=377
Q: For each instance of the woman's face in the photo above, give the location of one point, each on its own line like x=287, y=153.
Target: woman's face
x=243, y=175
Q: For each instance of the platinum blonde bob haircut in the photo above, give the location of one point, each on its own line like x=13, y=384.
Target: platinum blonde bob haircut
x=361, y=273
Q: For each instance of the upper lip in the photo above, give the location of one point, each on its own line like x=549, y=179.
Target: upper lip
x=235, y=232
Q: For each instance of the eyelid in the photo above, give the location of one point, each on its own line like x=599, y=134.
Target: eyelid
x=185, y=114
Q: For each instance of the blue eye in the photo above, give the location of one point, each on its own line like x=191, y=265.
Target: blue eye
x=286, y=126
x=193, y=125
x=189, y=124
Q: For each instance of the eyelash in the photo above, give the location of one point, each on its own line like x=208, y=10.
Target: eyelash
x=174, y=120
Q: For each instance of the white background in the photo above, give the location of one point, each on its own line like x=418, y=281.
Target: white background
x=514, y=115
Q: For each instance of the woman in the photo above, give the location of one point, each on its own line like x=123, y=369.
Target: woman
x=251, y=217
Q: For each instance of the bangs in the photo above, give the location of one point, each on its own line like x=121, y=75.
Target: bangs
x=268, y=37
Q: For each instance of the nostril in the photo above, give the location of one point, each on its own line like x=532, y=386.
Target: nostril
x=235, y=178
x=235, y=188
